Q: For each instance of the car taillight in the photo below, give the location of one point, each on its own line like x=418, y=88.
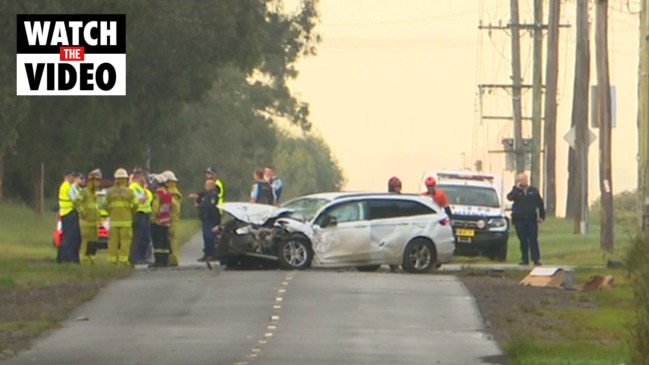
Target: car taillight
x=444, y=221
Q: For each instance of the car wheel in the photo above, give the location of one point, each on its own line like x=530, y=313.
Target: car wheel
x=294, y=254
x=499, y=252
x=419, y=256
x=369, y=268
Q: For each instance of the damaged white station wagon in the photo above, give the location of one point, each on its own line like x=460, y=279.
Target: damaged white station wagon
x=362, y=230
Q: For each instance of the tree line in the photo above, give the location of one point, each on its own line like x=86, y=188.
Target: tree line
x=206, y=86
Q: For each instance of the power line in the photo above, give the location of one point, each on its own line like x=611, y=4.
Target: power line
x=401, y=21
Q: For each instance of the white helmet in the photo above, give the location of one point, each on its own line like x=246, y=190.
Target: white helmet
x=160, y=179
x=169, y=175
x=120, y=174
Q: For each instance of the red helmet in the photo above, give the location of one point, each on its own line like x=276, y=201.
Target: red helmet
x=430, y=181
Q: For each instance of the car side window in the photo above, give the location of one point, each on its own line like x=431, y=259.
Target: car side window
x=345, y=212
x=383, y=209
x=409, y=208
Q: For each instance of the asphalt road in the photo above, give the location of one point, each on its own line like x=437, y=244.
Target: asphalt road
x=192, y=315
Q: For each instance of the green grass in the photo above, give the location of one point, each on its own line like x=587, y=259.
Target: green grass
x=560, y=246
x=28, y=265
x=593, y=335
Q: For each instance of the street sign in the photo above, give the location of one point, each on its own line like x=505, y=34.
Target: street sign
x=570, y=137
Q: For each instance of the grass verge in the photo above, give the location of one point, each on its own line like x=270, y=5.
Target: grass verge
x=36, y=293
x=560, y=246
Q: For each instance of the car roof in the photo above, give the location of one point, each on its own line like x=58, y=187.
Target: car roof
x=335, y=196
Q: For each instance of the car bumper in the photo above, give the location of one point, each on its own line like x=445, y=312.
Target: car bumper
x=482, y=241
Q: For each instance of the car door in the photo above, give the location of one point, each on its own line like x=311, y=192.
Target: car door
x=346, y=239
x=389, y=229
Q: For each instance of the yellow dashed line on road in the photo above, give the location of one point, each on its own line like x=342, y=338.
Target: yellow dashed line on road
x=274, y=321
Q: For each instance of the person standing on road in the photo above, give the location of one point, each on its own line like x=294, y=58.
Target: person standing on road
x=262, y=192
x=162, y=209
x=527, y=212
x=172, y=186
x=438, y=196
x=121, y=204
x=141, y=220
x=275, y=182
x=71, y=236
x=88, y=207
x=210, y=216
x=394, y=186
x=210, y=173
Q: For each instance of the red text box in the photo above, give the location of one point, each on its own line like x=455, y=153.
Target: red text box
x=71, y=54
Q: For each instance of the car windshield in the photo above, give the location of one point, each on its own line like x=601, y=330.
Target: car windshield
x=305, y=208
x=470, y=195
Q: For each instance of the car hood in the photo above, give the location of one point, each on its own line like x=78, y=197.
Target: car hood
x=253, y=213
x=470, y=210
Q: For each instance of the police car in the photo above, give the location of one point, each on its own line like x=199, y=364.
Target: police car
x=477, y=212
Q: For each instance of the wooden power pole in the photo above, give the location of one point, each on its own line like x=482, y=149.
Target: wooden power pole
x=604, y=123
x=550, y=114
x=516, y=87
x=643, y=120
x=537, y=94
x=578, y=182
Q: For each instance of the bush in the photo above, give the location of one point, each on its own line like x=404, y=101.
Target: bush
x=625, y=210
x=638, y=271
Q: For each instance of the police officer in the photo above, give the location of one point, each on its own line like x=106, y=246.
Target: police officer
x=71, y=235
x=141, y=220
x=262, y=192
x=275, y=181
x=210, y=173
x=527, y=212
x=210, y=217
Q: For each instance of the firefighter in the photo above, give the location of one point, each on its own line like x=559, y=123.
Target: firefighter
x=141, y=221
x=71, y=236
x=172, y=186
x=161, y=212
x=121, y=204
x=88, y=207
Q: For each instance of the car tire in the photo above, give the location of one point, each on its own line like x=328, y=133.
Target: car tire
x=370, y=268
x=499, y=252
x=419, y=256
x=294, y=253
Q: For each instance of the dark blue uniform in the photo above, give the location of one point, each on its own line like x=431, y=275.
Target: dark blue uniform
x=526, y=211
x=210, y=217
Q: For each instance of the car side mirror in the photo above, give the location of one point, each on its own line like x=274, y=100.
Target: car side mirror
x=328, y=221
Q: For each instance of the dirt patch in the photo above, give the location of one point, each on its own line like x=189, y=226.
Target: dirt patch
x=512, y=311
x=25, y=312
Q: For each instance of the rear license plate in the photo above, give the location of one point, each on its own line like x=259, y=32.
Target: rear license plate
x=465, y=232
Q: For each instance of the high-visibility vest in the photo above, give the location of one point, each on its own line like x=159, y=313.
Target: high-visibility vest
x=163, y=211
x=66, y=205
x=219, y=184
x=139, y=190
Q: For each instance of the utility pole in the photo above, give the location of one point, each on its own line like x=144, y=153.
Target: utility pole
x=603, y=118
x=643, y=120
x=550, y=114
x=537, y=95
x=578, y=182
x=516, y=87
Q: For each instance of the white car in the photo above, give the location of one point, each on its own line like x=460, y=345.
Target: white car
x=362, y=230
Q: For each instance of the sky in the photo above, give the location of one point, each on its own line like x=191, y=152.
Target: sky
x=393, y=88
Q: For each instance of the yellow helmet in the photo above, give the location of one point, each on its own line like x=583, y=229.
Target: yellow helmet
x=169, y=175
x=121, y=174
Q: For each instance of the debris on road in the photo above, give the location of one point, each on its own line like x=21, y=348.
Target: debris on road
x=598, y=282
x=549, y=277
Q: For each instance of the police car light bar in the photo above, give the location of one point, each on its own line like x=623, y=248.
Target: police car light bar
x=460, y=176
